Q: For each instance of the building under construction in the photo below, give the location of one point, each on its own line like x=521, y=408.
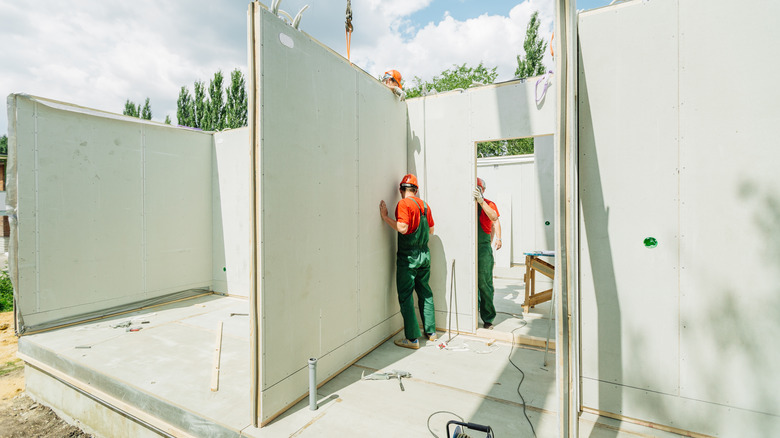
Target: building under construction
x=173, y=282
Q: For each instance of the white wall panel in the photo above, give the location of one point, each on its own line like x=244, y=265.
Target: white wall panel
x=628, y=191
x=445, y=166
x=177, y=209
x=544, y=220
x=232, y=212
x=510, y=110
x=110, y=210
x=730, y=220
x=680, y=150
x=381, y=164
x=332, y=146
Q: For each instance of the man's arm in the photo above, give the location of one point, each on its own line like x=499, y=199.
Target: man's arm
x=491, y=214
x=397, y=226
x=497, y=232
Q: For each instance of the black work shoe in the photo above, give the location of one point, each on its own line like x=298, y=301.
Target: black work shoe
x=488, y=326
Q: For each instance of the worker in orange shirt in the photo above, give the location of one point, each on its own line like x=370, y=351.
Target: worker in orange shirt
x=487, y=213
x=414, y=224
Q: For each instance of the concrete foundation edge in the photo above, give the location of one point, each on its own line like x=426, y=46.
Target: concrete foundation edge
x=98, y=415
x=77, y=399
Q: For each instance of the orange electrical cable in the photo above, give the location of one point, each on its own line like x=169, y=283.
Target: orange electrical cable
x=349, y=42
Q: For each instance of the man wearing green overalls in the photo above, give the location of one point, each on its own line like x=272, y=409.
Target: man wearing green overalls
x=414, y=224
x=487, y=214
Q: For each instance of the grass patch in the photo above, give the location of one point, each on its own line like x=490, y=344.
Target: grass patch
x=10, y=367
x=6, y=292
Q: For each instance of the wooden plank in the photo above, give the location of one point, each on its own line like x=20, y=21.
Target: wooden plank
x=540, y=297
x=217, y=352
x=543, y=267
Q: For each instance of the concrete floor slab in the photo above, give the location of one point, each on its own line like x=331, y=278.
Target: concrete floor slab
x=165, y=369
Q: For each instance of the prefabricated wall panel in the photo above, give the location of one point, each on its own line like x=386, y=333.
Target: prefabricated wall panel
x=332, y=145
x=110, y=211
x=729, y=215
x=232, y=222
x=442, y=135
x=445, y=165
x=680, y=150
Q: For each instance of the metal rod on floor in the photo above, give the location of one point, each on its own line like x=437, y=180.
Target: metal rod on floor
x=313, y=384
x=455, y=301
x=549, y=325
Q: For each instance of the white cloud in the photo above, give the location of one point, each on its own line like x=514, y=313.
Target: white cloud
x=491, y=39
x=98, y=54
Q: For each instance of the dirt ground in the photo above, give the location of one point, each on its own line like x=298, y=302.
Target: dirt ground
x=20, y=416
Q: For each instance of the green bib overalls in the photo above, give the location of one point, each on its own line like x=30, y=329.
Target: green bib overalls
x=413, y=269
x=487, y=311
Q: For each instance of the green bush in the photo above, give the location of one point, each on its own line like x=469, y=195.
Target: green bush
x=6, y=292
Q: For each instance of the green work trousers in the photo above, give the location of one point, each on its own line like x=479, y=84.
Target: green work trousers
x=487, y=311
x=412, y=274
x=413, y=270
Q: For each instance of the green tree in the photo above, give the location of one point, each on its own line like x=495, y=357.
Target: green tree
x=497, y=148
x=185, y=111
x=237, y=102
x=6, y=292
x=216, y=104
x=146, y=111
x=131, y=109
x=534, y=47
x=4, y=145
x=167, y=119
x=200, y=115
x=460, y=76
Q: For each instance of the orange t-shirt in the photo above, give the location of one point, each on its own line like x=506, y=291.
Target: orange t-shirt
x=484, y=221
x=409, y=213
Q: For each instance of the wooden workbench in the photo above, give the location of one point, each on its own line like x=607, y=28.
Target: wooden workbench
x=534, y=264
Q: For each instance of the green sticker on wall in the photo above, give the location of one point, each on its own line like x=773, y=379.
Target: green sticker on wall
x=651, y=242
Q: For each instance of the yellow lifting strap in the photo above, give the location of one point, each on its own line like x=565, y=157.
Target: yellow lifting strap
x=348, y=25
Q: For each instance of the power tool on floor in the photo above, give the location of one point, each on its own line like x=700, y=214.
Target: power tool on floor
x=460, y=429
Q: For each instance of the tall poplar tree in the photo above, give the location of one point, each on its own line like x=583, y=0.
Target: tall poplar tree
x=200, y=115
x=534, y=47
x=146, y=111
x=131, y=109
x=237, y=101
x=216, y=104
x=184, y=108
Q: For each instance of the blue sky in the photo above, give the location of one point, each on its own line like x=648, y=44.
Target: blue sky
x=98, y=54
x=465, y=9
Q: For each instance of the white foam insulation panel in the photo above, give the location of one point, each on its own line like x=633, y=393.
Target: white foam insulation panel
x=678, y=148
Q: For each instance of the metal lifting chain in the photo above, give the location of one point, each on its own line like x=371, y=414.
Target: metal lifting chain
x=348, y=26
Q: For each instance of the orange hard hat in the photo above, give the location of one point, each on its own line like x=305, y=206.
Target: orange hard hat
x=481, y=184
x=393, y=74
x=409, y=180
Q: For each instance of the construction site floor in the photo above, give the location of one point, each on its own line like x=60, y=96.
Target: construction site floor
x=165, y=370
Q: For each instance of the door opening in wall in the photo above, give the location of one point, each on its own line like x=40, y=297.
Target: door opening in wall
x=517, y=176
